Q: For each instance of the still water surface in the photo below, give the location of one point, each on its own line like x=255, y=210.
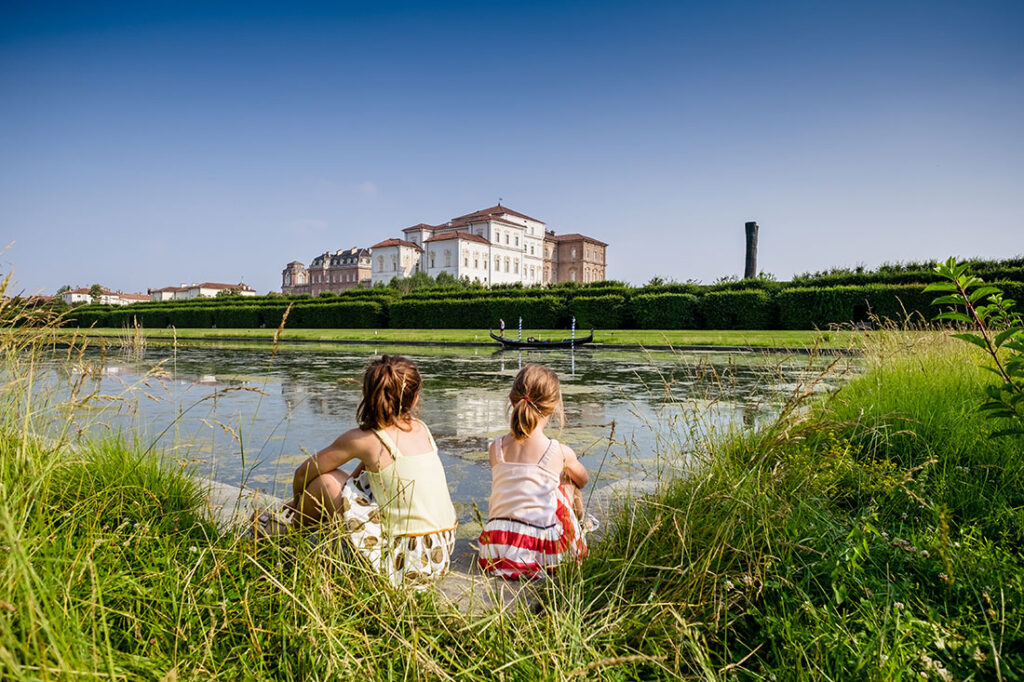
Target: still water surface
x=241, y=413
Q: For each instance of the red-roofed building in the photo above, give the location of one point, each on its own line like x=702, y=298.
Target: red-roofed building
x=494, y=245
x=573, y=258
x=201, y=290
x=107, y=297
x=334, y=272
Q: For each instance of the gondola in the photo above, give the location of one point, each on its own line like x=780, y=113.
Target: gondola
x=507, y=342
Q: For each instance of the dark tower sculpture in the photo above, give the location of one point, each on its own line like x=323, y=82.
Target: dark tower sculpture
x=750, y=271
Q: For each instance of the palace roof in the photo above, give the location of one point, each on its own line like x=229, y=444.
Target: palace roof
x=492, y=212
x=458, y=234
x=396, y=242
x=574, y=237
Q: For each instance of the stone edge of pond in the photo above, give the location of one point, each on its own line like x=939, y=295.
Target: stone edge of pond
x=231, y=508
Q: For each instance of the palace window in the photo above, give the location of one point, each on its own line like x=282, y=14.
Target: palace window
x=447, y=258
x=497, y=263
x=394, y=263
x=380, y=263
x=506, y=237
x=517, y=240
x=516, y=266
x=507, y=261
x=573, y=253
x=465, y=261
x=431, y=259
x=531, y=249
x=572, y=275
x=476, y=262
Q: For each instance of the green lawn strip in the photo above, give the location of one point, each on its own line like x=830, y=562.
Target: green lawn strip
x=643, y=337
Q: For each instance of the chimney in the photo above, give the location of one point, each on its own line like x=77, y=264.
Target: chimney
x=750, y=270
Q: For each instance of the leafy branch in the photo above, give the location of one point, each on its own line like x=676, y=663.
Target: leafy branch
x=998, y=330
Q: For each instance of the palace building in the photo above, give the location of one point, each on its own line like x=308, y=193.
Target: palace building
x=494, y=245
x=329, y=271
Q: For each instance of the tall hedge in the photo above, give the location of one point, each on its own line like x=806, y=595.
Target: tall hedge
x=460, y=313
x=819, y=307
x=750, y=309
x=666, y=311
x=600, y=312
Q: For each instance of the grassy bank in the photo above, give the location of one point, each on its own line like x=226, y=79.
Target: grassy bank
x=640, y=337
x=873, y=536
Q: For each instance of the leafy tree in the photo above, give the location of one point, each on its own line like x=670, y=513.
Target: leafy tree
x=96, y=292
x=224, y=293
x=64, y=289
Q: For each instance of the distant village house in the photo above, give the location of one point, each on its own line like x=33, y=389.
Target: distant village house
x=204, y=290
x=107, y=297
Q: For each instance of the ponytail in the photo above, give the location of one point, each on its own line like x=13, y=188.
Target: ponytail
x=535, y=394
x=391, y=385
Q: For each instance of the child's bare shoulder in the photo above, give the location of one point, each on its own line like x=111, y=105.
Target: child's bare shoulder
x=568, y=454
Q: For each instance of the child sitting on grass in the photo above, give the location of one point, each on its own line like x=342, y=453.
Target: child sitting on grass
x=535, y=510
x=395, y=506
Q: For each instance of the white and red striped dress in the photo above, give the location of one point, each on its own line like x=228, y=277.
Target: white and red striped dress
x=531, y=525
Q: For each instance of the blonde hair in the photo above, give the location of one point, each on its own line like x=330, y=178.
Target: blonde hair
x=536, y=393
x=391, y=385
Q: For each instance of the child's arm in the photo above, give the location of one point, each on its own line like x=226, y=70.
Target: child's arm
x=573, y=468
x=335, y=455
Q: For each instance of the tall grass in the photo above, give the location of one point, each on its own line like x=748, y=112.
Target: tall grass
x=874, y=534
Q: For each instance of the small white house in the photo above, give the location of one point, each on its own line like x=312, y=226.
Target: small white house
x=107, y=297
x=204, y=290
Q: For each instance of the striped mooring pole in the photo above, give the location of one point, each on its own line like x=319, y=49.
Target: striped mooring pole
x=520, y=329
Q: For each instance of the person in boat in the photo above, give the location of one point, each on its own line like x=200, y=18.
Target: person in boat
x=395, y=507
x=534, y=515
x=501, y=327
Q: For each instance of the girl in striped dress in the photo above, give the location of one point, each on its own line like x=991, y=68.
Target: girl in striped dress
x=535, y=510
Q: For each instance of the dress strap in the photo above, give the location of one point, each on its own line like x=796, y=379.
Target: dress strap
x=542, y=463
x=388, y=443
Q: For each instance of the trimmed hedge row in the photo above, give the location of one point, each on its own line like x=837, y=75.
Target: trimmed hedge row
x=345, y=315
x=792, y=308
x=463, y=313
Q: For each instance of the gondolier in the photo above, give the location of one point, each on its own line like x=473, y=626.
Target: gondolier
x=501, y=324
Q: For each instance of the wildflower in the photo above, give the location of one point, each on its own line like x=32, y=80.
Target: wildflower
x=899, y=605
x=885, y=536
x=903, y=516
x=747, y=580
x=925, y=554
x=943, y=577
x=193, y=549
x=729, y=585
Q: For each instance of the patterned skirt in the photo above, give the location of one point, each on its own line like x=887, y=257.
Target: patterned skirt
x=406, y=560
x=515, y=549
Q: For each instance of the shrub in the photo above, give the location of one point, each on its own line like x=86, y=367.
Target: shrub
x=666, y=311
x=748, y=309
x=456, y=313
x=605, y=312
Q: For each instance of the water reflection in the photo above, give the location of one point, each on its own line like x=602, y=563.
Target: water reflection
x=241, y=413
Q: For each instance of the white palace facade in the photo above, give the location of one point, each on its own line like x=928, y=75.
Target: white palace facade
x=495, y=245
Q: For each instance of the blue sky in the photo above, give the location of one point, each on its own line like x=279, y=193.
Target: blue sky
x=146, y=144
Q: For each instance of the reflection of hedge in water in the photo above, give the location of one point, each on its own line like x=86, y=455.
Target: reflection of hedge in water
x=642, y=308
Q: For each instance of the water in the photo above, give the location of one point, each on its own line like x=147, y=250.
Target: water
x=239, y=413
